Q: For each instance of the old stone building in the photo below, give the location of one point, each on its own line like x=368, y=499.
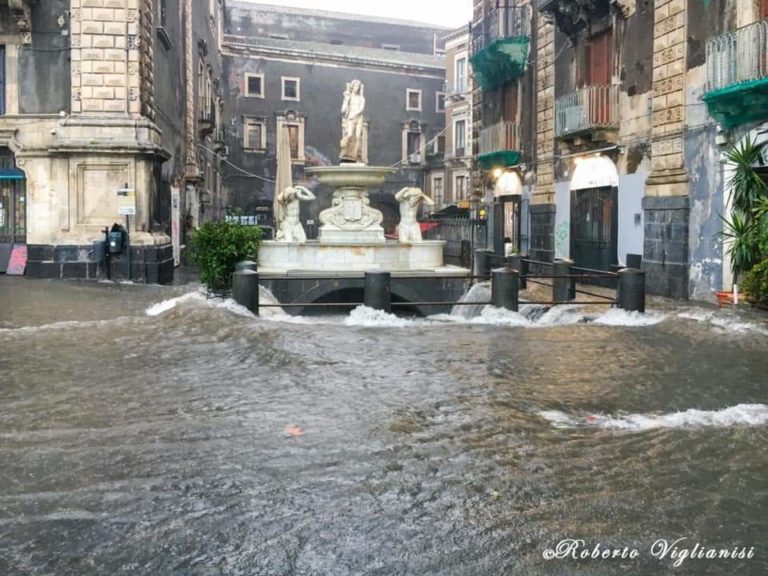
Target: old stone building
x=635, y=102
x=504, y=138
x=287, y=68
x=104, y=102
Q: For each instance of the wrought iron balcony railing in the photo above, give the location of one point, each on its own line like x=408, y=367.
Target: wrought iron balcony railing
x=738, y=56
x=502, y=22
x=500, y=136
x=588, y=108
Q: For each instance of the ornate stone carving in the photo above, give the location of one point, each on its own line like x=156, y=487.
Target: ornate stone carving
x=21, y=15
x=350, y=210
x=626, y=7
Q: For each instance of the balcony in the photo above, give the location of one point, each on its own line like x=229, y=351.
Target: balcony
x=455, y=92
x=499, y=146
x=737, y=75
x=500, y=46
x=207, y=121
x=588, y=109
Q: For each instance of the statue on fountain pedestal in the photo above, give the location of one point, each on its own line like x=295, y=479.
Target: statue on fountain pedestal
x=289, y=228
x=410, y=199
x=352, y=123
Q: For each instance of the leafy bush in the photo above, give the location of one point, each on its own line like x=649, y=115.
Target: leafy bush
x=755, y=283
x=218, y=246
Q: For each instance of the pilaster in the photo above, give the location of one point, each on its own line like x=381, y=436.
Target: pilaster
x=545, y=113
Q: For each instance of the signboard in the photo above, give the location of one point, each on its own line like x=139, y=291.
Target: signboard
x=126, y=201
x=18, y=261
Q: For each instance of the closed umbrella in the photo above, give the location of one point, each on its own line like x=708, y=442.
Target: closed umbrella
x=284, y=171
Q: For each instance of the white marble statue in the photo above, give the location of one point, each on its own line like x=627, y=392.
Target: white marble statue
x=410, y=199
x=352, y=123
x=289, y=228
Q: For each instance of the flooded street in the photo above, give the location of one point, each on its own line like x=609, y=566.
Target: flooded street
x=143, y=431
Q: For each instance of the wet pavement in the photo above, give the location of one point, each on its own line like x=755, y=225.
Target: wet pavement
x=143, y=431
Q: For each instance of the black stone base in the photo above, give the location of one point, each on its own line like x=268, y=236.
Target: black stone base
x=665, y=251
x=345, y=290
x=542, y=245
x=149, y=264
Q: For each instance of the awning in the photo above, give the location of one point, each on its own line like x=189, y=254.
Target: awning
x=499, y=159
x=595, y=171
x=11, y=174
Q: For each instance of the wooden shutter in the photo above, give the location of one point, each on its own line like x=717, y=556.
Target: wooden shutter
x=599, y=57
x=510, y=102
x=763, y=9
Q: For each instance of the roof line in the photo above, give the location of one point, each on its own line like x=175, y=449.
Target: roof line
x=248, y=5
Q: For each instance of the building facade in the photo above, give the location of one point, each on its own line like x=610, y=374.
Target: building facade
x=636, y=101
x=451, y=182
x=97, y=114
x=287, y=69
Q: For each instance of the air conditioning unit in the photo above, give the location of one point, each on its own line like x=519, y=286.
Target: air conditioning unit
x=415, y=158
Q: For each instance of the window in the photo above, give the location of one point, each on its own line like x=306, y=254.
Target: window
x=295, y=128
x=291, y=89
x=440, y=102
x=254, y=85
x=437, y=192
x=413, y=100
x=414, y=143
x=162, y=13
x=459, y=137
x=461, y=187
x=461, y=75
x=255, y=137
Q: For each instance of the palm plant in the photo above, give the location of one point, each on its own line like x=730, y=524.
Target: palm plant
x=747, y=226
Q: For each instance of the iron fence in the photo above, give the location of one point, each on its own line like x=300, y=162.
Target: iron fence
x=462, y=236
x=738, y=56
x=500, y=136
x=587, y=108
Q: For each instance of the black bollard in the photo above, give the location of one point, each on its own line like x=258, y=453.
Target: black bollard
x=516, y=262
x=631, y=294
x=562, y=287
x=245, y=289
x=377, y=295
x=246, y=265
x=505, y=288
x=482, y=268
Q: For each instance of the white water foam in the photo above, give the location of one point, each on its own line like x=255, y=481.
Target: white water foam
x=478, y=294
x=725, y=320
x=66, y=325
x=171, y=303
x=370, y=318
x=619, y=317
x=740, y=415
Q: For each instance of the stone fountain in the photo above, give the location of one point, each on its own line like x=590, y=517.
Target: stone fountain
x=351, y=238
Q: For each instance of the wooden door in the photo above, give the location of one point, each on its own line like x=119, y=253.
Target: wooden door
x=600, y=59
x=763, y=9
x=509, y=114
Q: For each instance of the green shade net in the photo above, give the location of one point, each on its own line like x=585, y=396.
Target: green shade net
x=502, y=61
x=500, y=159
x=739, y=103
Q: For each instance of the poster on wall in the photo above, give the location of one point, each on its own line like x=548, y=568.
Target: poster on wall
x=176, y=224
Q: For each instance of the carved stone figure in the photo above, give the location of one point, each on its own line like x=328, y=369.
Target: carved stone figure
x=410, y=199
x=289, y=227
x=352, y=123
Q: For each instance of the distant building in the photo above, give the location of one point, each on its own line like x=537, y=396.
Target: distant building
x=452, y=183
x=289, y=67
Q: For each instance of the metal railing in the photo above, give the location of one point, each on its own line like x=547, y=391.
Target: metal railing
x=738, y=56
x=544, y=5
x=500, y=136
x=587, y=108
x=502, y=22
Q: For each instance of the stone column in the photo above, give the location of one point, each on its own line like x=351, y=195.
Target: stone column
x=543, y=199
x=666, y=201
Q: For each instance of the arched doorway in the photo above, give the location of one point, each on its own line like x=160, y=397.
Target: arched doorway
x=13, y=200
x=594, y=213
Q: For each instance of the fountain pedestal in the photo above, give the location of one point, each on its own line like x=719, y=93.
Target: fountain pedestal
x=350, y=219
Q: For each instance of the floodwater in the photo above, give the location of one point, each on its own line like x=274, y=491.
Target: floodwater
x=147, y=430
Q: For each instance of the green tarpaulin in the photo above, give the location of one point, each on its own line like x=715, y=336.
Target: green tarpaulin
x=502, y=61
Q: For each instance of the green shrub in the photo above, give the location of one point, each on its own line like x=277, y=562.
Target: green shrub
x=755, y=283
x=216, y=247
